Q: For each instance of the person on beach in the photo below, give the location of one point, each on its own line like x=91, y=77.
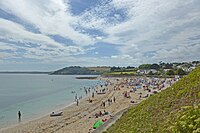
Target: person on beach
x=75, y=97
x=140, y=95
x=114, y=99
x=19, y=116
x=77, y=102
x=109, y=101
x=104, y=104
x=92, y=94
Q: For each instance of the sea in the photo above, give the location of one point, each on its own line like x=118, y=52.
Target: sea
x=36, y=95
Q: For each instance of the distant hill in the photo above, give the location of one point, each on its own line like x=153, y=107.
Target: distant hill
x=174, y=110
x=77, y=70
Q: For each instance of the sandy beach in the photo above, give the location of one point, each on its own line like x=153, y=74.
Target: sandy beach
x=80, y=119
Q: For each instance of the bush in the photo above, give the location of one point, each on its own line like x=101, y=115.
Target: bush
x=170, y=72
x=180, y=72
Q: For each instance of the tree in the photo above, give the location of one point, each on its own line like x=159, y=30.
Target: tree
x=168, y=66
x=145, y=66
x=115, y=68
x=170, y=72
x=130, y=67
x=195, y=62
x=155, y=66
x=180, y=71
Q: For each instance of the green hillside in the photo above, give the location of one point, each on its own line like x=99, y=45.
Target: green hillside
x=176, y=109
x=75, y=70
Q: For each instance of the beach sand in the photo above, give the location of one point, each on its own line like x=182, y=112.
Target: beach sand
x=80, y=119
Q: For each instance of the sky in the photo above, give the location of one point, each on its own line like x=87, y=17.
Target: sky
x=46, y=35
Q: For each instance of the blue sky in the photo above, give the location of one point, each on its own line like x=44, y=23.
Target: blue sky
x=51, y=34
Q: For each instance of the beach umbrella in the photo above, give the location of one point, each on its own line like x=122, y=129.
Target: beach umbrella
x=98, y=124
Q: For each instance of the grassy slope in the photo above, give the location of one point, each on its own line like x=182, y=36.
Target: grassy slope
x=176, y=109
x=99, y=69
x=120, y=73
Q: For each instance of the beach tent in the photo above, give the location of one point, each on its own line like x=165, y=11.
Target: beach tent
x=98, y=124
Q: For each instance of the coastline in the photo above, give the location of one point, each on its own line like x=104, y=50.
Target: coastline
x=34, y=119
x=43, y=115
x=36, y=99
x=80, y=118
x=90, y=78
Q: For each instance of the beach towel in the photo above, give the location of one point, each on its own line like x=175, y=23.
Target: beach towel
x=98, y=124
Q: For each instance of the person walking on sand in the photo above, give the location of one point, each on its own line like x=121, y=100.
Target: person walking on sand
x=114, y=99
x=104, y=104
x=92, y=94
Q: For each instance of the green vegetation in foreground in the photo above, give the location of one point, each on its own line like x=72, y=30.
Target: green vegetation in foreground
x=176, y=110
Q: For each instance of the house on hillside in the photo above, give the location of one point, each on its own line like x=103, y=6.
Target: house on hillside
x=188, y=69
x=165, y=70
x=191, y=68
x=146, y=71
x=180, y=66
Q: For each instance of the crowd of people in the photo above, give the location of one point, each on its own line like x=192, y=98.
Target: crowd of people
x=134, y=88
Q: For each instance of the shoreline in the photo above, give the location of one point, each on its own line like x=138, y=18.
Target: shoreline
x=47, y=114
x=90, y=78
x=38, y=107
x=43, y=115
x=81, y=118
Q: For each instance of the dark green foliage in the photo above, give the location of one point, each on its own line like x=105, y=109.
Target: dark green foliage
x=174, y=110
x=149, y=66
x=115, y=69
x=155, y=66
x=129, y=67
x=168, y=66
x=170, y=72
x=195, y=62
x=145, y=66
x=180, y=72
x=75, y=70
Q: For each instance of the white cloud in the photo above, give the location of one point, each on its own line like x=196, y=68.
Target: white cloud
x=5, y=46
x=45, y=47
x=144, y=31
x=4, y=55
x=157, y=25
x=50, y=17
x=114, y=56
x=100, y=17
